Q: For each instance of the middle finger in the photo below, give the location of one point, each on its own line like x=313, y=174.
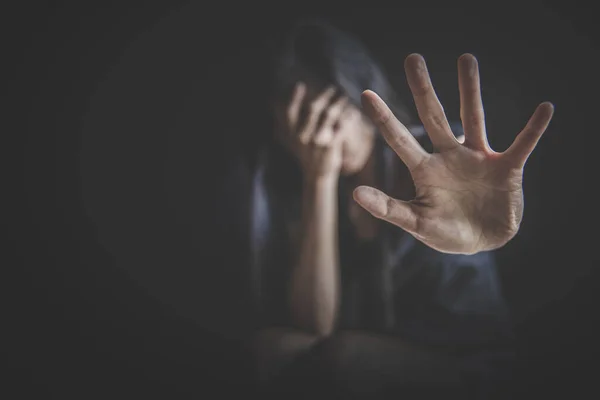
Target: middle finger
x=428, y=105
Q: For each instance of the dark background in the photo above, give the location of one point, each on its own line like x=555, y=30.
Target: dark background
x=123, y=117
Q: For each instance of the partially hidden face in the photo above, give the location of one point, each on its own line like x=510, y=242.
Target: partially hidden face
x=359, y=140
x=356, y=130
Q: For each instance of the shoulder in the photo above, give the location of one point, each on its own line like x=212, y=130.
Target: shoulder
x=424, y=254
x=412, y=260
x=462, y=284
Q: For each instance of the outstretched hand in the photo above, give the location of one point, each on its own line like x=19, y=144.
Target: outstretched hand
x=469, y=198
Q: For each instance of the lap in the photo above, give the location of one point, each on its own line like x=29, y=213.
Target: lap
x=368, y=363
x=274, y=349
x=352, y=362
x=360, y=354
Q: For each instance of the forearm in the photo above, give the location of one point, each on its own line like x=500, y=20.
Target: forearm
x=315, y=278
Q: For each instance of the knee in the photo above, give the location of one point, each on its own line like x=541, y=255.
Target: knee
x=275, y=349
x=336, y=350
x=282, y=339
x=281, y=344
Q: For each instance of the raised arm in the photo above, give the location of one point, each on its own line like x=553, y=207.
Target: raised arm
x=314, y=285
x=469, y=198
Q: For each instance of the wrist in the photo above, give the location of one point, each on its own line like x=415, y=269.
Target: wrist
x=321, y=181
x=319, y=198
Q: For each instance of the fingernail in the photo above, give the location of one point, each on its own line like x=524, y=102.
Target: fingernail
x=470, y=62
x=368, y=105
x=419, y=63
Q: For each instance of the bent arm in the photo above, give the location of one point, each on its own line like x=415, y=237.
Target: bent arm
x=314, y=286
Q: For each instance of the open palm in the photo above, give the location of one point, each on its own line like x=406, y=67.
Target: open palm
x=469, y=198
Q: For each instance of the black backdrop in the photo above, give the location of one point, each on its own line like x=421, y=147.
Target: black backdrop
x=126, y=114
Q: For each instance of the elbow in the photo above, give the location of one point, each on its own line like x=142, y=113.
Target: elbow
x=324, y=331
x=320, y=330
x=323, y=324
x=314, y=320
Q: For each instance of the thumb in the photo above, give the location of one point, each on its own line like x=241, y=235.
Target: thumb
x=382, y=206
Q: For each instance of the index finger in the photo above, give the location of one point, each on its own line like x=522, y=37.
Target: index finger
x=394, y=132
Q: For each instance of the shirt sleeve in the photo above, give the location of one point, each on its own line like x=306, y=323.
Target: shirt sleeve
x=450, y=299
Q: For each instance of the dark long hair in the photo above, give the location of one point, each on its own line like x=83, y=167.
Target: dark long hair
x=315, y=51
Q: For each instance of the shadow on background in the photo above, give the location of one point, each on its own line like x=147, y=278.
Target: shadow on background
x=130, y=115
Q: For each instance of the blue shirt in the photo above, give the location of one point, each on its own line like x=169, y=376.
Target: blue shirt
x=393, y=283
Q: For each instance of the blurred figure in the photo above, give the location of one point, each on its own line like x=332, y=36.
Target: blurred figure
x=357, y=291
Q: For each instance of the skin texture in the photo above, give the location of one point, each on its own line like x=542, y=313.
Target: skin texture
x=469, y=198
x=326, y=134
x=329, y=138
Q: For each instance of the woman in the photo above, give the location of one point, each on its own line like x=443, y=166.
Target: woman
x=342, y=293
